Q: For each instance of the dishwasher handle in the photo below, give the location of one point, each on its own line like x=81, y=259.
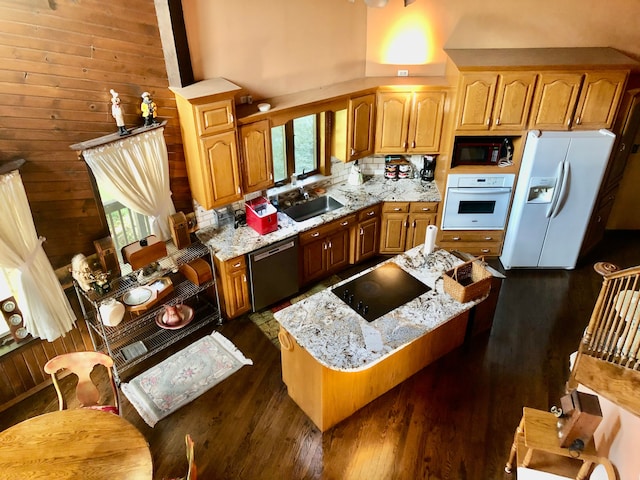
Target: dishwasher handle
x=274, y=251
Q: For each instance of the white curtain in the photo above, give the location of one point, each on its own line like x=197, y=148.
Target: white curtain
x=135, y=171
x=46, y=312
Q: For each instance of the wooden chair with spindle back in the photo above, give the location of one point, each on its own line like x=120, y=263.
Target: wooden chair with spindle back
x=82, y=364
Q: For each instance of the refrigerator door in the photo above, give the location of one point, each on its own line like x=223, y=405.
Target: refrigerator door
x=585, y=163
x=529, y=217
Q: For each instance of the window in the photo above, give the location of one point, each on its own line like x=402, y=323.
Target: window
x=125, y=225
x=296, y=147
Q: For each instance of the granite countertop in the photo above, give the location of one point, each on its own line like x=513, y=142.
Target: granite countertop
x=228, y=242
x=340, y=339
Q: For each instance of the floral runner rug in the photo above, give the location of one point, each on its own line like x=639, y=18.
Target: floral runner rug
x=183, y=377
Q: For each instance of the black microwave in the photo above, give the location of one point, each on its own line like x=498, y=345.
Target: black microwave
x=478, y=151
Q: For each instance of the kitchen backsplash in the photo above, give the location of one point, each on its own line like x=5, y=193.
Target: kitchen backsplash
x=373, y=165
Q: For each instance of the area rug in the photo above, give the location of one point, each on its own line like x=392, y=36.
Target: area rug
x=183, y=377
x=269, y=326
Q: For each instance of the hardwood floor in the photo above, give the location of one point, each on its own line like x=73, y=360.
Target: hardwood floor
x=453, y=420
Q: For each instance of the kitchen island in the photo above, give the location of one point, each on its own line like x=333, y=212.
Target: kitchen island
x=334, y=362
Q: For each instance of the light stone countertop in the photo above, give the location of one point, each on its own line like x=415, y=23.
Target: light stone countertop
x=339, y=338
x=228, y=242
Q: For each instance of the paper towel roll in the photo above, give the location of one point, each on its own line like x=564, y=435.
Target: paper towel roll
x=430, y=239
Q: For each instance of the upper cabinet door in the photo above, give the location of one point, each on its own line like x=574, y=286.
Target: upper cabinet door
x=554, y=101
x=221, y=157
x=360, y=126
x=599, y=99
x=257, y=165
x=392, y=124
x=513, y=101
x=214, y=117
x=425, y=127
x=476, y=96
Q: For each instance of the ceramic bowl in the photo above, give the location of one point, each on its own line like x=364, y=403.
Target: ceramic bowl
x=264, y=107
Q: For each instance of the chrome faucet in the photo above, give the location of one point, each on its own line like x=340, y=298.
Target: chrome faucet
x=304, y=193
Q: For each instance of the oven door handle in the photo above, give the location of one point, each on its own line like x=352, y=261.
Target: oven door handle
x=479, y=190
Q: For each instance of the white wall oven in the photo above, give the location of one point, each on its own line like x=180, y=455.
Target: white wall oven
x=477, y=202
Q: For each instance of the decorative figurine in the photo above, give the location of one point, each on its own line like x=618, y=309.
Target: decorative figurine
x=149, y=110
x=117, y=113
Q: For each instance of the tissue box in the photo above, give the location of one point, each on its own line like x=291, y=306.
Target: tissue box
x=261, y=215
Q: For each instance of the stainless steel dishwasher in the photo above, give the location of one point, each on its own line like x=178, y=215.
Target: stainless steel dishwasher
x=273, y=272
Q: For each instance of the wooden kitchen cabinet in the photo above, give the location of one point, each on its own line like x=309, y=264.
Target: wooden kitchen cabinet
x=361, y=121
x=207, y=123
x=626, y=128
x=257, y=164
x=353, y=129
x=409, y=121
x=325, y=249
x=476, y=242
x=232, y=279
x=366, y=234
x=494, y=101
x=404, y=225
x=577, y=100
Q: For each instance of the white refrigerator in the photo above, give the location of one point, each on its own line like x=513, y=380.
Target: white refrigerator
x=559, y=179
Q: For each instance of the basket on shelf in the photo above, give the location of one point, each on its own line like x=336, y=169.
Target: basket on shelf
x=468, y=281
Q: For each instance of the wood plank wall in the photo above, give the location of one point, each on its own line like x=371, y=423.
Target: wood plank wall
x=59, y=60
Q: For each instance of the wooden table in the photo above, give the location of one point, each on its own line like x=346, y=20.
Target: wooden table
x=74, y=444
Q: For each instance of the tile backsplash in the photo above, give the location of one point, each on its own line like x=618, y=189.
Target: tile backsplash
x=373, y=165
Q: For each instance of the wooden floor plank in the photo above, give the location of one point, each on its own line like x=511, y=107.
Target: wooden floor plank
x=453, y=420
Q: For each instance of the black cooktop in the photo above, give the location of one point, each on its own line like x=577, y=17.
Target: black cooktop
x=381, y=290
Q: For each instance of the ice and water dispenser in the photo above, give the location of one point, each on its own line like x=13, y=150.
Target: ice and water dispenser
x=541, y=189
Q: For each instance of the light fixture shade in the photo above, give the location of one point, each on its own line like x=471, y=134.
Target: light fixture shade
x=376, y=3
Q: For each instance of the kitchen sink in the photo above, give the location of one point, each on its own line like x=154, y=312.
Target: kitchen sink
x=312, y=208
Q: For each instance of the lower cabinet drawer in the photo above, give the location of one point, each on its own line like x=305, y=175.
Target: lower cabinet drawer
x=491, y=249
x=472, y=236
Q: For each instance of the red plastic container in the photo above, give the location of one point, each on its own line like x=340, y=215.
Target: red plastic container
x=261, y=215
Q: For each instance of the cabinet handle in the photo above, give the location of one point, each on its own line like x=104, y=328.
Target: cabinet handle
x=244, y=278
x=426, y=209
x=230, y=117
x=622, y=147
x=413, y=144
x=330, y=245
x=455, y=239
x=361, y=231
x=413, y=224
x=397, y=209
x=404, y=144
x=578, y=121
x=406, y=224
x=599, y=219
x=569, y=122
x=271, y=176
x=485, y=250
x=353, y=152
x=488, y=121
x=238, y=189
x=372, y=212
x=345, y=223
x=488, y=238
x=315, y=234
x=497, y=121
x=237, y=265
x=285, y=341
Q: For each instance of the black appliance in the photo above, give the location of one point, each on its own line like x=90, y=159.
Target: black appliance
x=487, y=151
x=380, y=291
x=427, y=174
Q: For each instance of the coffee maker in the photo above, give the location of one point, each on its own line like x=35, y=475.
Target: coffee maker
x=427, y=173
